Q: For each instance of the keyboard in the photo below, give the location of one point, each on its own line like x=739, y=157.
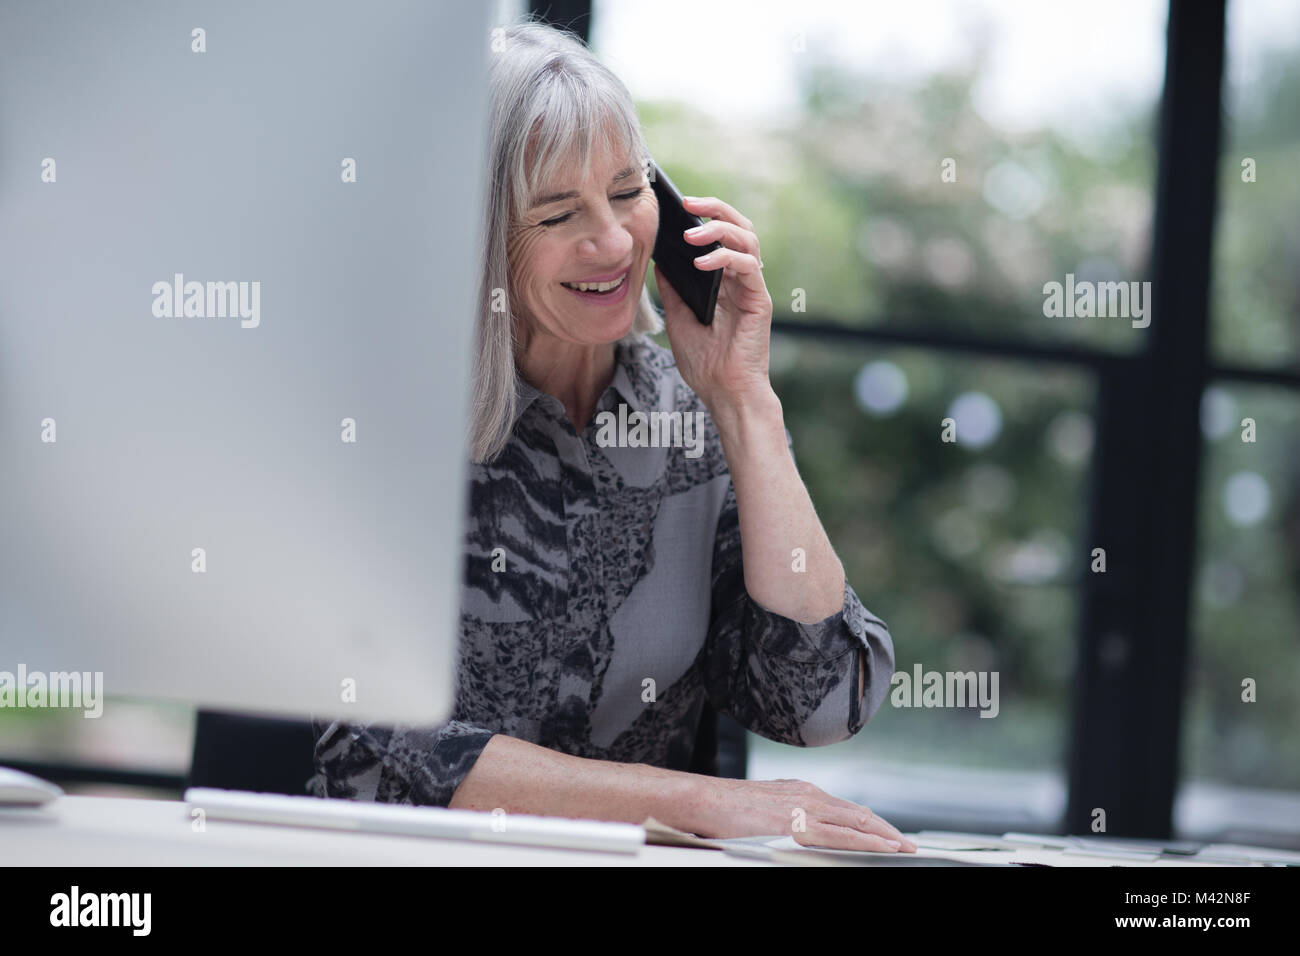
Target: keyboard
x=403, y=820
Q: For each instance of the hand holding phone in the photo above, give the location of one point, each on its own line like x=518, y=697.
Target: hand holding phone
x=676, y=257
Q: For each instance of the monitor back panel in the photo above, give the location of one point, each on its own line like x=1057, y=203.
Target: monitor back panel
x=239, y=261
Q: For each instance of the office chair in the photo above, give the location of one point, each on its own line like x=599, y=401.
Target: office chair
x=257, y=754
x=274, y=755
x=721, y=748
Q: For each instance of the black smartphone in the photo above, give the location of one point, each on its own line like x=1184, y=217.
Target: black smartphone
x=676, y=257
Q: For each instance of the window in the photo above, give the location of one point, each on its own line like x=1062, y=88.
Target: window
x=929, y=165
x=1256, y=308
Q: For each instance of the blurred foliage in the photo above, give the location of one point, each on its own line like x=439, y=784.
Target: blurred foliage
x=851, y=208
x=1256, y=277
x=1246, y=612
x=966, y=553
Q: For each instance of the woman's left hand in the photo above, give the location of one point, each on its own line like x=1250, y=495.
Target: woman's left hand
x=725, y=363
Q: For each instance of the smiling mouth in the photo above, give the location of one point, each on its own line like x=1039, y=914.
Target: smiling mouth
x=598, y=288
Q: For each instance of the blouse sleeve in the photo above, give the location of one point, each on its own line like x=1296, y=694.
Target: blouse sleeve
x=399, y=764
x=788, y=681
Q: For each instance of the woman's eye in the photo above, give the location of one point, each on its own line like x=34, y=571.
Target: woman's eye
x=559, y=219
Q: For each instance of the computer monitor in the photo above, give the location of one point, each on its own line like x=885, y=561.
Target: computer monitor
x=238, y=268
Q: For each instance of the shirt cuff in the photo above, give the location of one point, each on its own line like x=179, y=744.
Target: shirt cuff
x=829, y=639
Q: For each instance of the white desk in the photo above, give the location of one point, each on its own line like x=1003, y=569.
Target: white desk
x=116, y=831
x=121, y=831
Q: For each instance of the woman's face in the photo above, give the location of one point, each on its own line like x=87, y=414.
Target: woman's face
x=601, y=230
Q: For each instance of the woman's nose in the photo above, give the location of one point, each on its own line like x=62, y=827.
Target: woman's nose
x=610, y=234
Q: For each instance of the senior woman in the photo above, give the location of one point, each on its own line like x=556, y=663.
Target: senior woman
x=611, y=590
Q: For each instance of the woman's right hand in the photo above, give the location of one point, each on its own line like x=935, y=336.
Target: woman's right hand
x=737, y=808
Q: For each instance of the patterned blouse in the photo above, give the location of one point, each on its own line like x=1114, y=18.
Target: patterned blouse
x=604, y=602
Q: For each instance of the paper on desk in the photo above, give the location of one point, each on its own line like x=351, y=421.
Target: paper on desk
x=934, y=848
x=1037, y=839
x=954, y=840
x=1125, y=845
x=947, y=847
x=784, y=849
x=1232, y=852
x=1111, y=853
x=1128, y=852
x=661, y=834
x=787, y=849
x=929, y=853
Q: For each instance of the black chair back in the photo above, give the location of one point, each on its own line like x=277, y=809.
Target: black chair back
x=256, y=754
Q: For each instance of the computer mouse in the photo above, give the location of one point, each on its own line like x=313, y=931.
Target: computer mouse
x=18, y=789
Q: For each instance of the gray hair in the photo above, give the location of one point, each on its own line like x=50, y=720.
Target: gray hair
x=545, y=84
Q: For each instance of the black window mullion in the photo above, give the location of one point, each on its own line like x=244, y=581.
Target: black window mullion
x=1134, y=619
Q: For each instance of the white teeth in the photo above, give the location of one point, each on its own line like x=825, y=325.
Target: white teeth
x=596, y=286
